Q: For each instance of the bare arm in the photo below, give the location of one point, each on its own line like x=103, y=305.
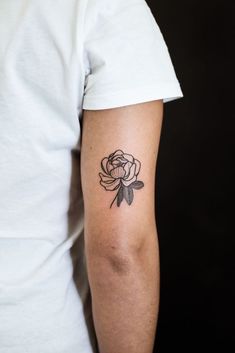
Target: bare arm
x=119, y=154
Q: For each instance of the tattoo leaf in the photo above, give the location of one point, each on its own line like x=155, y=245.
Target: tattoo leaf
x=120, y=196
x=128, y=194
x=137, y=185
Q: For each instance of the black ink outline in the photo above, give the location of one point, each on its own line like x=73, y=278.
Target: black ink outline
x=124, y=192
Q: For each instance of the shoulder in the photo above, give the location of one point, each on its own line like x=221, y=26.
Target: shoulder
x=107, y=8
x=104, y=15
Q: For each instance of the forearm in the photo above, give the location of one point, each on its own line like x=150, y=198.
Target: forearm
x=125, y=298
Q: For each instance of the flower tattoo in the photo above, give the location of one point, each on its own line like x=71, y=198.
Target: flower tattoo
x=120, y=171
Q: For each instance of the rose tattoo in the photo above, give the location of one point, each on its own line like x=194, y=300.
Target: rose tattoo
x=120, y=171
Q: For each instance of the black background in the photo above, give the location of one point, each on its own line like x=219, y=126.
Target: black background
x=195, y=174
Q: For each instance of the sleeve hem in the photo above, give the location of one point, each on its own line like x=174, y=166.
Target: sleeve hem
x=167, y=92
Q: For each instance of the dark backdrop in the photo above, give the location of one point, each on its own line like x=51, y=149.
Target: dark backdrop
x=194, y=181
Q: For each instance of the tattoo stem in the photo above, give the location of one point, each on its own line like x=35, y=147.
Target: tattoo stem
x=114, y=199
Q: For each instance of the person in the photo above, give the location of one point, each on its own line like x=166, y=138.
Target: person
x=82, y=89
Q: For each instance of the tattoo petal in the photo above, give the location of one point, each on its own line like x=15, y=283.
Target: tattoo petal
x=132, y=173
x=137, y=163
x=128, y=157
x=116, y=153
x=111, y=186
x=127, y=168
x=105, y=178
x=128, y=182
x=104, y=165
x=118, y=172
x=109, y=167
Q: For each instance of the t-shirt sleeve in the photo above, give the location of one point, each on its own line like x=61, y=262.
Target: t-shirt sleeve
x=126, y=59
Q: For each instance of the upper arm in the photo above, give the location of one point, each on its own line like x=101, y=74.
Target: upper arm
x=128, y=74
x=135, y=131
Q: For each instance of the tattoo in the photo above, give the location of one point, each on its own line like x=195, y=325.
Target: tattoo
x=120, y=171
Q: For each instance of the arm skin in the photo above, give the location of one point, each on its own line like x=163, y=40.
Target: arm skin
x=121, y=243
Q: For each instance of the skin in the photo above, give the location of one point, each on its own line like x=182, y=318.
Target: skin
x=121, y=243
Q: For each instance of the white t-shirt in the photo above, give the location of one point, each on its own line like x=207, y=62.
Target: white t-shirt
x=58, y=57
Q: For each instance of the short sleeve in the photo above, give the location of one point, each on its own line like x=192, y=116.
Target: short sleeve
x=126, y=58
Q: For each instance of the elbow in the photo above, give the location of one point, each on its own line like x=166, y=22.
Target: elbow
x=120, y=262
x=119, y=253
x=115, y=260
